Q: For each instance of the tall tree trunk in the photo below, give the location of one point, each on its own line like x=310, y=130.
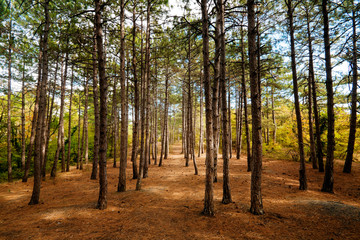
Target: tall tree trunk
x=142, y=114
x=79, y=135
x=42, y=110
x=351, y=141
x=9, y=164
x=243, y=86
x=86, y=140
x=147, y=94
x=63, y=163
x=136, y=100
x=329, y=166
x=61, y=125
x=35, y=113
x=256, y=197
x=209, y=161
x=201, y=138
x=69, y=126
x=49, y=118
x=319, y=152
x=115, y=119
x=23, y=143
x=102, y=201
x=156, y=112
x=164, y=137
x=215, y=96
x=229, y=122
x=224, y=111
x=123, y=137
x=239, y=124
x=302, y=173
x=310, y=81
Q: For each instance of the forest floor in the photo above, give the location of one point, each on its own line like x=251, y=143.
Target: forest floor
x=171, y=200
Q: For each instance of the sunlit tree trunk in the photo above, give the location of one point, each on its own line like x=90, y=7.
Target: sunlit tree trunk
x=69, y=126
x=42, y=110
x=209, y=161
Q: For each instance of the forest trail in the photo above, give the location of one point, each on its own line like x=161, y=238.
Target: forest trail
x=171, y=200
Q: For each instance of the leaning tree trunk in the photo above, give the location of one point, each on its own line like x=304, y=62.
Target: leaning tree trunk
x=209, y=161
x=302, y=177
x=351, y=141
x=42, y=110
x=329, y=167
x=102, y=201
x=256, y=197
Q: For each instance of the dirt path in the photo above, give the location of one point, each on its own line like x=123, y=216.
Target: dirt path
x=170, y=203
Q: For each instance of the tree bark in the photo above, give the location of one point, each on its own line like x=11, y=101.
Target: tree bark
x=69, y=126
x=42, y=110
x=351, y=140
x=243, y=86
x=102, y=201
x=136, y=101
x=310, y=89
x=329, y=166
x=224, y=111
x=9, y=144
x=209, y=161
x=302, y=172
x=256, y=197
x=23, y=143
x=123, y=138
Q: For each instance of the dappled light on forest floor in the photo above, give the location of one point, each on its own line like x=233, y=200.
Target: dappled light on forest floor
x=171, y=200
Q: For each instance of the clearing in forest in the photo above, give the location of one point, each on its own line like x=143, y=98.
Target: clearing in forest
x=170, y=202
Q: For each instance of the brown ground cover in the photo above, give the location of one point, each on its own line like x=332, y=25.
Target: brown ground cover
x=171, y=200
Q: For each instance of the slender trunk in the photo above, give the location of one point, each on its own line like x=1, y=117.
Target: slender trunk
x=256, y=196
x=114, y=117
x=136, y=101
x=102, y=201
x=35, y=114
x=302, y=172
x=229, y=117
x=69, y=126
x=147, y=94
x=215, y=96
x=63, y=164
x=61, y=123
x=142, y=114
x=201, y=140
x=351, y=141
x=243, y=86
x=42, y=110
x=86, y=139
x=164, y=137
x=209, y=161
x=79, y=135
x=23, y=143
x=273, y=114
x=43, y=169
x=226, y=127
x=329, y=166
x=123, y=138
x=240, y=120
x=310, y=89
x=9, y=160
